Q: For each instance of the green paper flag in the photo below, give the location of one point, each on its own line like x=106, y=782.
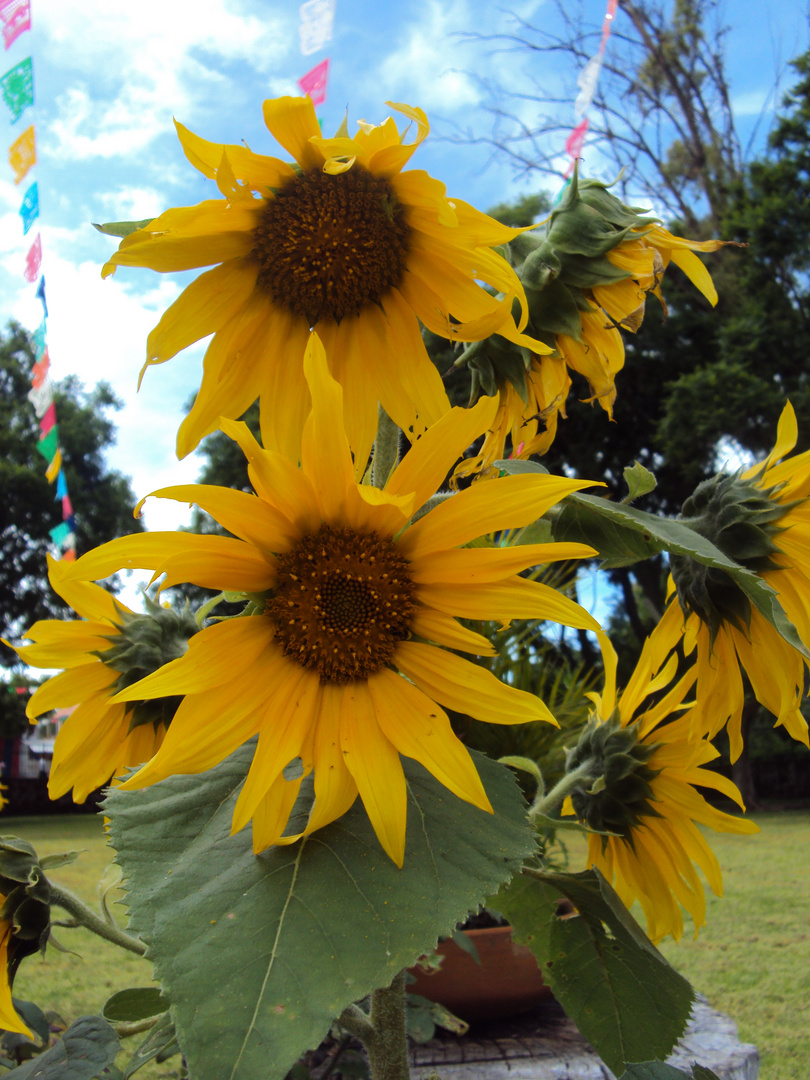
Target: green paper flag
x=47, y=446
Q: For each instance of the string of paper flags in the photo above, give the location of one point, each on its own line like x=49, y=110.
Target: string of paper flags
x=586, y=81
x=17, y=88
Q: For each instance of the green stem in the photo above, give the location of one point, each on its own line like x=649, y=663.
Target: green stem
x=386, y=448
x=86, y=917
x=388, y=1052
x=545, y=804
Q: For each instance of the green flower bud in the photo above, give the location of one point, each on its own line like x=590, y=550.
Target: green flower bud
x=145, y=643
x=740, y=518
x=616, y=793
x=25, y=895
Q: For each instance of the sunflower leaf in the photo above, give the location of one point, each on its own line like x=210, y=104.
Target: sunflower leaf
x=87, y=1048
x=258, y=954
x=624, y=535
x=611, y=980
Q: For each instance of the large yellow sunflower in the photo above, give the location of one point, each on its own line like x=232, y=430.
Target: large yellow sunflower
x=341, y=239
x=648, y=799
x=726, y=632
x=102, y=652
x=347, y=662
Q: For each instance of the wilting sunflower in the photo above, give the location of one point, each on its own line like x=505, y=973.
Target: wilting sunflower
x=346, y=663
x=105, y=650
x=651, y=768
x=341, y=239
x=760, y=518
x=586, y=281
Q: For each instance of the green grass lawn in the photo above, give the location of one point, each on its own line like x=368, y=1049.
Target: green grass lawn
x=752, y=960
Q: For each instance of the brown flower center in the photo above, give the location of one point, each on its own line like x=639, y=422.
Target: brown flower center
x=328, y=246
x=343, y=600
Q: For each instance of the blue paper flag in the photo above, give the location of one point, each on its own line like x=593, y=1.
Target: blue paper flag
x=61, y=485
x=41, y=295
x=29, y=211
x=39, y=338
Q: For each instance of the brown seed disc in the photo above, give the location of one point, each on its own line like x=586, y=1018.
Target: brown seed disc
x=328, y=246
x=343, y=600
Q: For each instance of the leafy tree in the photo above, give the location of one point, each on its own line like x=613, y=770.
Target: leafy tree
x=102, y=498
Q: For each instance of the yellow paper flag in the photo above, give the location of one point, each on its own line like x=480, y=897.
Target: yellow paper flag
x=22, y=154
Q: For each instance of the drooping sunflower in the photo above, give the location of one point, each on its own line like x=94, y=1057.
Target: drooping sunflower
x=586, y=281
x=346, y=663
x=341, y=239
x=651, y=768
x=103, y=651
x=760, y=518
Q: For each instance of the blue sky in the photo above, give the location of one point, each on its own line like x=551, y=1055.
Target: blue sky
x=109, y=76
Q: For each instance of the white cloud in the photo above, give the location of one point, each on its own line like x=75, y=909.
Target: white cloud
x=418, y=71
x=134, y=65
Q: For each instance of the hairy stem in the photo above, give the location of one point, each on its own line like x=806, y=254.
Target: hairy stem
x=86, y=917
x=388, y=1052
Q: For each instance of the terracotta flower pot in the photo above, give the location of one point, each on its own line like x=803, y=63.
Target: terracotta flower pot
x=506, y=982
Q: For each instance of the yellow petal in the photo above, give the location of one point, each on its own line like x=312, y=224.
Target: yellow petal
x=277, y=480
x=464, y=566
x=374, y=763
x=292, y=123
x=244, y=515
x=510, y=502
x=325, y=457
x=219, y=654
x=90, y=601
x=466, y=687
x=420, y=729
x=445, y=630
x=71, y=687
x=203, y=308
x=261, y=173
x=503, y=601
x=215, y=562
x=290, y=714
x=426, y=465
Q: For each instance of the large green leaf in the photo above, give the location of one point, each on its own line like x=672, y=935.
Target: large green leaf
x=259, y=953
x=623, y=535
x=611, y=980
x=87, y=1048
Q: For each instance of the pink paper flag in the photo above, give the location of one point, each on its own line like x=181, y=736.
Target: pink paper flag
x=33, y=260
x=48, y=420
x=16, y=16
x=314, y=82
x=573, y=144
x=67, y=507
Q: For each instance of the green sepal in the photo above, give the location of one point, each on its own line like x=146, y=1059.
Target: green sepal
x=27, y=900
x=258, y=951
x=554, y=309
x=122, y=228
x=615, y=985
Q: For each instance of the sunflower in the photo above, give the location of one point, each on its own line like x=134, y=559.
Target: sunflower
x=650, y=768
x=341, y=239
x=345, y=664
x=578, y=311
x=771, y=504
x=105, y=650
